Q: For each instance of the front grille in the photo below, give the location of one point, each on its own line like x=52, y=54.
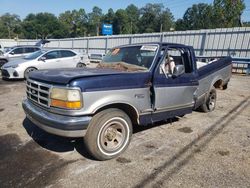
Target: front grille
x=5, y=73
x=38, y=92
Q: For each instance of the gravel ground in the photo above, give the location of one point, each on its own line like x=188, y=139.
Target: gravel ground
x=198, y=150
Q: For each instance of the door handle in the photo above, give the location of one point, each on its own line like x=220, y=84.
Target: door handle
x=149, y=84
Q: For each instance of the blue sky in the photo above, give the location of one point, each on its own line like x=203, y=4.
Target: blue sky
x=24, y=7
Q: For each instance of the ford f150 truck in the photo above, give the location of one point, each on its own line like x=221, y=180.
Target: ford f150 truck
x=134, y=85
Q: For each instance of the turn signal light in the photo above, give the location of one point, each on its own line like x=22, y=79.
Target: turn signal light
x=66, y=104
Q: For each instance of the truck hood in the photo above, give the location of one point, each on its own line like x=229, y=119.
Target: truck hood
x=65, y=76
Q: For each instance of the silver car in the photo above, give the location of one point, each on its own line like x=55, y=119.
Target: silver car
x=19, y=51
x=43, y=59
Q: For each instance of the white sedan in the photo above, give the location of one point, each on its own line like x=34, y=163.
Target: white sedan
x=43, y=59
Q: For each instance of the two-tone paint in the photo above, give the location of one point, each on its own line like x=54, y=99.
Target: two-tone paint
x=146, y=97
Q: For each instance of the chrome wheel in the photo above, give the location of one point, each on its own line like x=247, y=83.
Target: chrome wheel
x=108, y=134
x=80, y=65
x=211, y=101
x=112, y=135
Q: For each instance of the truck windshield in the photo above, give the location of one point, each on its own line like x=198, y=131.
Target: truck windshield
x=132, y=58
x=35, y=55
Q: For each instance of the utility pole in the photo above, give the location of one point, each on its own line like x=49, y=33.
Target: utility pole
x=8, y=27
x=131, y=27
x=97, y=30
x=240, y=21
x=161, y=28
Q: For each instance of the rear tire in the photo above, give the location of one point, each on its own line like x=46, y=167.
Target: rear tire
x=224, y=87
x=108, y=134
x=210, y=102
x=27, y=71
x=80, y=65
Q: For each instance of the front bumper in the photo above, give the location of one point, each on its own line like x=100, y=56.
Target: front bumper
x=11, y=73
x=68, y=126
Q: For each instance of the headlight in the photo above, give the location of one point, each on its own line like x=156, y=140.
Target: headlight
x=14, y=66
x=66, y=98
x=10, y=66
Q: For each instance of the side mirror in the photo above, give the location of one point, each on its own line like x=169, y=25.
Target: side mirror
x=12, y=53
x=178, y=70
x=42, y=58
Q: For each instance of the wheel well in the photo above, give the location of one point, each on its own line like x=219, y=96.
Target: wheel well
x=31, y=67
x=218, y=84
x=5, y=60
x=129, y=110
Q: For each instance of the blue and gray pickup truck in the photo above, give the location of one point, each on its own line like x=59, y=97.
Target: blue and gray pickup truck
x=134, y=85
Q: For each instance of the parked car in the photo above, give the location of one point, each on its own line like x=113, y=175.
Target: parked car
x=43, y=59
x=134, y=85
x=19, y=51
x=3, y=59
x=96, y=57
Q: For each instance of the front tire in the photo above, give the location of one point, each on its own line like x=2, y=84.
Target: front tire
x=210, y=102
x=108, y=134
x=2, y=62
x=27, y=71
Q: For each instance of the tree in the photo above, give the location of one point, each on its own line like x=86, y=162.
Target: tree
x=133, y=17
x=75, y=22
x=10, y=25
x=155, y=18
x=121, y=22
x=109, y=17
x=42, y=25
x=180, y=25
x=227, y=13
x=94, y=20
x=165, y=20
x=199, y=16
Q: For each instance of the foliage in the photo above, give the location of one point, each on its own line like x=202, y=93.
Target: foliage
x=199, y=16
x=10, y=26
x=74, y=22
x=227, y=13
x=133, y=16
x=42, y=25
x=94, y=21
x=153, y=17
x=221, y=14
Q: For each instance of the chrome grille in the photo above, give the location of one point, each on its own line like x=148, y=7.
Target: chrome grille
x=38, y=92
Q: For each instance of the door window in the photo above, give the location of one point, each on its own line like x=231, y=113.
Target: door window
x=18, y=51
x=52, y=55
x=172, y=58
x=30, y=49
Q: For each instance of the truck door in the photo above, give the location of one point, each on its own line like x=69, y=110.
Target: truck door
x=174, y=90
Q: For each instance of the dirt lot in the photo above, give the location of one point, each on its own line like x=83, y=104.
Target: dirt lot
x=198, y=150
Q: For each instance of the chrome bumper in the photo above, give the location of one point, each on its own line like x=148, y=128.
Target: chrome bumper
x=68, y=126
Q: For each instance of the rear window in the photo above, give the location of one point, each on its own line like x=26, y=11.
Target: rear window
x=28, y=50
x=96, y=56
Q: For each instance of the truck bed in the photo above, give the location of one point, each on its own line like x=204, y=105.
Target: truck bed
x=215, y=73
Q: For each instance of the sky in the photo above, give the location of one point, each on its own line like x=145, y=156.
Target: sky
x=24, y=7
